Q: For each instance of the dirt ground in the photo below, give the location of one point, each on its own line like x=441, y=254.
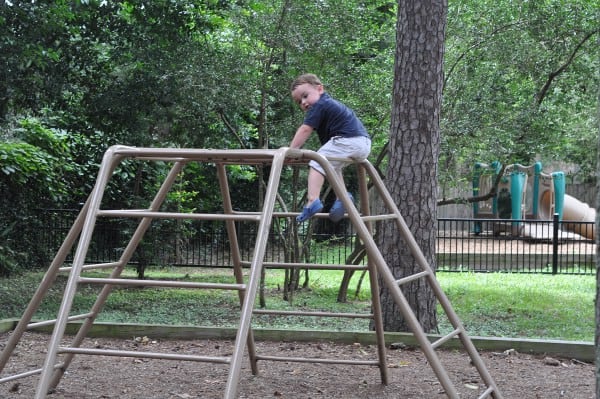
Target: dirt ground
x=410, y=376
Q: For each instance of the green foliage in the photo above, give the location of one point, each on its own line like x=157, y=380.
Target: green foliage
x=44, y=164
x=215, y=74
x=35, y=133
x=36, y=171
x=500, y=57
x=23, y=164
x=521, y=85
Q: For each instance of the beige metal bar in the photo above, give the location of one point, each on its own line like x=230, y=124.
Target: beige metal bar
x=19, y=376
x=173, y=215
x=284, y=214
x=94, y=266
x=316, y=314
x=446, y=338
x=255, y=271
x=376, y=218
x=320, y=266
x=144, y=355
x=26, y=374
x=376, y=259
x=319, y=360
x=160, y=283
x=233, y=156
x=106, y=170
x=236, y=255
x=489, y=393
x=51, y=322
x=373, y=278
x=413, y=277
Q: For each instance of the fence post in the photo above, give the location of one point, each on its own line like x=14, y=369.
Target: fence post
x=555, y=243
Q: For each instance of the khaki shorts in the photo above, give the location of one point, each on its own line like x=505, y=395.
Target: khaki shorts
x=343, y=147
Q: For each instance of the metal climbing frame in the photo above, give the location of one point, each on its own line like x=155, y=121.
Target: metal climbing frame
x=81, y=232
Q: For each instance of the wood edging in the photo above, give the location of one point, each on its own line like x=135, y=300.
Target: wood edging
x=580, y=350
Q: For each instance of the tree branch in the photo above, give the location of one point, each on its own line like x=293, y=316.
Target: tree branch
x=461, y=200
x=231, y=128
x=477, y=43
x=544, y=90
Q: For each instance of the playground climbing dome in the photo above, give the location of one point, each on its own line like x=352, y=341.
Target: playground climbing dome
x=59, y=356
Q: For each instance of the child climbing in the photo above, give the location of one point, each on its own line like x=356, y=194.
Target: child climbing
x=341, y=133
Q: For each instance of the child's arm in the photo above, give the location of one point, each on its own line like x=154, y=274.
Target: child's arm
x=302, y=134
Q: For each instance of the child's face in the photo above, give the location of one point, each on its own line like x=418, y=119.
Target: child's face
x=306, y=95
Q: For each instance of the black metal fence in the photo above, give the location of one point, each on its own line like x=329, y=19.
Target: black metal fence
x=523, y=246
x=480, y=245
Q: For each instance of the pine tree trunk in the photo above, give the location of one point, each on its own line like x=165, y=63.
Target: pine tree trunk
x=413, y=153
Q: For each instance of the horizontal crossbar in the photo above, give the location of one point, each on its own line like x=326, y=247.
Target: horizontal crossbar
x=145, y=355
x=318, y=266
x=318, y=360
x=159, y=283
x=316, y=314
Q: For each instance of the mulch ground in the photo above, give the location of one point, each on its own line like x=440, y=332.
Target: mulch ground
x=517, y=375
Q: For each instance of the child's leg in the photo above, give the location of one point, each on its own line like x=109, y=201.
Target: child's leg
x=315, y=183
x=313, y=203
x=340, y=174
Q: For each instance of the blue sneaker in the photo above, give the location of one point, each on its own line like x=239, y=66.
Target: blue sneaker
x=310, y=211
x=337, y=211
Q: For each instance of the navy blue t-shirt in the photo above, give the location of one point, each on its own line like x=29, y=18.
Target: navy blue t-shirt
x=331, y=118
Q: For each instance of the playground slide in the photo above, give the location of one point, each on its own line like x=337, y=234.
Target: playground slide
x=573, y=210
x=577, y=211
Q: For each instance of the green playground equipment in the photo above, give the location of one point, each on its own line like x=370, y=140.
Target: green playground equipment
x=524, y=192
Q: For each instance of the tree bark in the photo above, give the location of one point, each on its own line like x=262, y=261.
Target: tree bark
x=411, y=176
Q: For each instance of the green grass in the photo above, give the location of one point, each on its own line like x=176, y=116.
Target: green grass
x=492, y=304
x=521, y=305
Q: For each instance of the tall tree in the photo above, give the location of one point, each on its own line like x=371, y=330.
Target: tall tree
x=413, y=152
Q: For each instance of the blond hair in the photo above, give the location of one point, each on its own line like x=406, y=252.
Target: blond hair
x=309, y=78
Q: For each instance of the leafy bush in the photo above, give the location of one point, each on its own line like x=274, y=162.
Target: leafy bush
x=33, y=162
